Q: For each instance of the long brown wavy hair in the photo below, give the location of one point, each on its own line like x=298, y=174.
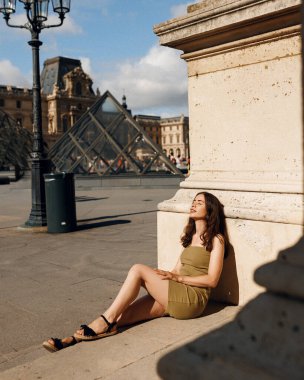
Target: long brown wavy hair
x=216, y=224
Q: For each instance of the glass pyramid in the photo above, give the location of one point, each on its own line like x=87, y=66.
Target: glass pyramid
x=15, y=143
x=106, y=140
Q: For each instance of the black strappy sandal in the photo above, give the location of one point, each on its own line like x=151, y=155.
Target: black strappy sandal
x=58, y=344
x=90, y=334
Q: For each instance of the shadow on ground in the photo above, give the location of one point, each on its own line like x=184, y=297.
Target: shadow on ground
x=88, y=199
x=115, y=216
x=89, y=226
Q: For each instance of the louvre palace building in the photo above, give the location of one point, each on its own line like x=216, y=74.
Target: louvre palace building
x=67, y=92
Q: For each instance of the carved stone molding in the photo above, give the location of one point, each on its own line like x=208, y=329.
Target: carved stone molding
x=219, y=22
x=267, y=207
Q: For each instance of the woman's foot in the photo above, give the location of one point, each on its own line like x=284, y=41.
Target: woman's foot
x=97, y=329
x=55, y=344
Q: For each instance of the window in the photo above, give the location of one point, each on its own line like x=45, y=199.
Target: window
x=171, y=139
x=177, y=138
x=164, y=140
x=18, y=103
x=2, y=103
x=78, y=89
x=64, y=123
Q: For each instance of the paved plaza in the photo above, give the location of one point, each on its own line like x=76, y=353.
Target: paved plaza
x=51, y=283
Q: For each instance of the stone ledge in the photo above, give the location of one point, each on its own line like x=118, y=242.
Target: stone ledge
x=267, y=207
x=251, y=181
x=259, y=41
x=211, y=24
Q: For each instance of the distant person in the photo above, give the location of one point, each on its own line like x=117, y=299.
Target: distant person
x=172, y=159
x=121, y=167
x=178, y=161
x=182, y=293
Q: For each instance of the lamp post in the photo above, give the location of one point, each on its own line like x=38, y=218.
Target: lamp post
x=37, y=14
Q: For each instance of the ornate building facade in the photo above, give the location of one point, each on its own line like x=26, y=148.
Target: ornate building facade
x=67, y=92
x=17, y=102
x=171, y=133
x=151, y=125
x=175, y=136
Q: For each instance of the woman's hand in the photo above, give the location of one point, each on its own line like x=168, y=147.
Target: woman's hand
x=166, y=275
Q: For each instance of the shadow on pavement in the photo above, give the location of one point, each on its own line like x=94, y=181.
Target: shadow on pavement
x=211, y=308
x=88, y=199
x=115, y=216
x=100, y=224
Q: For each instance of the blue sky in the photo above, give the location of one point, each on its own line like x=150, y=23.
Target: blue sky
x=115, y=41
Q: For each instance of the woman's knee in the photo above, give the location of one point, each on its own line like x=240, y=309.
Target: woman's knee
x=138, y=269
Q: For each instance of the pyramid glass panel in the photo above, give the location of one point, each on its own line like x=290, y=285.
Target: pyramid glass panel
x=15, y=143
x=106, y=140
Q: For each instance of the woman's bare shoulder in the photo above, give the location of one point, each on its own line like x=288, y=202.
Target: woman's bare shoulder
x=218, y=240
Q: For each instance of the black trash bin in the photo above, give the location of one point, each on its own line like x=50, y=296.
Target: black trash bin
x=60, y=202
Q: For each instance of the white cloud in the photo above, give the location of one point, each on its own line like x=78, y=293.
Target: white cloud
x=11, y=75
x=18, y=19
x=9, y=34
x=156, y=83
x=69, y=25
x=86, y=66
x=180, y=9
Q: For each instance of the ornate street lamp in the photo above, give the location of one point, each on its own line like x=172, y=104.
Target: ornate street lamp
x=37, y=14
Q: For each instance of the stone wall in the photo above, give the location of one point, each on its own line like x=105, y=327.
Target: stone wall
x=245, y=110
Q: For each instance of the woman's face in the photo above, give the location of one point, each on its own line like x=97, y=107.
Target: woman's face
x=198, y=208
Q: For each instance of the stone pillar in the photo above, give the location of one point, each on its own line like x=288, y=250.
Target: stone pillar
x=245, y=110
x=265, y=341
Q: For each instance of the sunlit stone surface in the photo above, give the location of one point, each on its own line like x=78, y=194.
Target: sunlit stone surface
x=244, y=69
x=244, y=60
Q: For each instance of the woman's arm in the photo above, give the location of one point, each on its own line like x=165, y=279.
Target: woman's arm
x=209, y=280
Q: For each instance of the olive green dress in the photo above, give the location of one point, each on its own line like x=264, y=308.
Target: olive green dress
x=185, y=301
